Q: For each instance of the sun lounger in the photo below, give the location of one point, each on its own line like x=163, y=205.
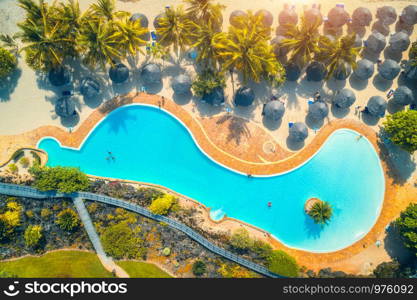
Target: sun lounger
x=290, y=124
x=153, y=35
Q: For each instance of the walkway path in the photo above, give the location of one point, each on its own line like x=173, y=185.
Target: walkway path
x=107, y=262
x=24, y=191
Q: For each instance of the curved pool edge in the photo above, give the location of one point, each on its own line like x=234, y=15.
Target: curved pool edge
x=236, y=171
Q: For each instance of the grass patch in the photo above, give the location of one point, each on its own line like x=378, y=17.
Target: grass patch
x=137, y=269
x=60, y=264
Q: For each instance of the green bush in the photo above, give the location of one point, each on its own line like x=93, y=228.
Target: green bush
x=8, y=63
x=119, y=241
x=61, y=179
x=36, y=157
x=240, y=240
x=45, y=213
x=207, y=81
x=166, y=251
x=33, y=235
x=24, y=161
x=407, y=226
x=402, y=129
x=13, y=168
x=262, y=249
x=162, y=205
x=199, y=268
x=387, y=270
x=281, y=263
x=68, y=220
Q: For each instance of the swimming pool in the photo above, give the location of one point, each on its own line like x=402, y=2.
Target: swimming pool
x=152, y=146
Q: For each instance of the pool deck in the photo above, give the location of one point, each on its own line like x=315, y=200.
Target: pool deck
x=245, y=153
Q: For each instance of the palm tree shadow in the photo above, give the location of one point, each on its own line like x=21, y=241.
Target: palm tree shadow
x=118, y=124
x=8, y=85
x=237, y=128
x=313, y=230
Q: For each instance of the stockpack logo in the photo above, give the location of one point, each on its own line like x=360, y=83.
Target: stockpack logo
x=12, y=290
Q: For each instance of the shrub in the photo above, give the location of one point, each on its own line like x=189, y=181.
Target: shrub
x=10, y=219
x=235, y=271
x=24, y=161
x=387, y=270
x=240, y=240
x=262, y=249
x=162, y=205
x=8, y=63
x=13, y=168
x=45, y=213
x=407, y=226
x=166, y=252
x=68, y=220
x=199, y=268
x=119, y=241
x=36, y=157
x=401, y=128
x=62, y=179
x=412, y=54
x=281, y=263
x=30, y=214
x=33, y=235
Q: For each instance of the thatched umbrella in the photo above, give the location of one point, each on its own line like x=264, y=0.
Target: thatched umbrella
x=316, y=71
x=288, y=16
x=273, y=110
x=267, y=18
x=215, y=97
x=376, y=42
x=244, y=96
x=89, y=87
x=318, y=110
x=234, y=15
x=276, y=42
x=65, y=107
x=409, y=15
x=151, y=74
x=338, y=16
x=181, y=84
x=298, y=132
x=158, y=19
x=361, y=16
x=403, y=96
x=143, y=19
x=380, y=27
x=386, y=14
x=313, y=16
x=345, y=98
x=364, y=69
x=342, y=71
x=59, y=76
x=119, y=73
x=399, y=41
x=377, y=106
x=293, y=71
x=411, y=72
x=389, y=69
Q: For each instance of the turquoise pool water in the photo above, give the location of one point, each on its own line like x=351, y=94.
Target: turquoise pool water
x=150, y=145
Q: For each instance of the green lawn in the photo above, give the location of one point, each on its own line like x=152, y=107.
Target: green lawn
x=137, y=269
x=60, y=264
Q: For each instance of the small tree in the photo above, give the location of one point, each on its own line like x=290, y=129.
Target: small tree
x=33, y=235
x=68, y=220
x=402, y=129
x=321, y=212
x=62, y=179
x=407, y=226
x=240, y=240
x=8, y=63
x=199, y=268
x=387, y=270
x=207, y=81
x=162, y=205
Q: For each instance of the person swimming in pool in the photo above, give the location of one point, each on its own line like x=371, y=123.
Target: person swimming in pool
x=269, y=204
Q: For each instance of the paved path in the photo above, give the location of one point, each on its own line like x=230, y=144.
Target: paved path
x=107, y=262
x=24, y=191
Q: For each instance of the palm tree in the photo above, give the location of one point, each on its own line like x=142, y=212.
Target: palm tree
x=204, y=11
x=339, y=53
x=321, y=212
x=100, y=43
x=131, y=33
x=302, y=41
x=175, y=29
x=254, y=22
x=10, y=43
x=45, y=43
x=106, y=9
x=204, y=36
x=246, y=50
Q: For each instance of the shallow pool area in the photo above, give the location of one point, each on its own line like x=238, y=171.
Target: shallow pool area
x=150, y=145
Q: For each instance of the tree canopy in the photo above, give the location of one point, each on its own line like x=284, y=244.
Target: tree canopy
x=8, y=63
x=407, y=226
x=402, y=129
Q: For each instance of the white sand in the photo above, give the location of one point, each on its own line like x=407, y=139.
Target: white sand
x=30, y=106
